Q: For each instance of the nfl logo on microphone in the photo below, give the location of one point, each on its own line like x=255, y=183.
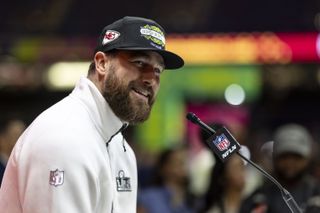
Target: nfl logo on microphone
x=221, y=142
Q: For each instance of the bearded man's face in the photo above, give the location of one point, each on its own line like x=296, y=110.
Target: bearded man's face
x=125, y=105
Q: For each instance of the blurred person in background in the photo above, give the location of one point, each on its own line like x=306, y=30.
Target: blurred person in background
x=291, y=157
x=227, y=181
x=266, y=151
x=73, y=157
x=203, y=161
x=169, y=190
x=313, y=204
x=226, y=188
x=10, y=131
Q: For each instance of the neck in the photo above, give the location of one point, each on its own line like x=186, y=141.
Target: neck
x=232, y=198
x=97, y=81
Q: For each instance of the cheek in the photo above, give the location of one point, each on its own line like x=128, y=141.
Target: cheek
x=120, y=79
x=156, y=88
x=234, y=175
x=291, y=165
x=122, y=71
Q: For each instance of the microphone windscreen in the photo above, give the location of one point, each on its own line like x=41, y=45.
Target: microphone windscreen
x=192, y=117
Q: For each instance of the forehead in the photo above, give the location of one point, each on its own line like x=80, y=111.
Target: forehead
x=151, y=56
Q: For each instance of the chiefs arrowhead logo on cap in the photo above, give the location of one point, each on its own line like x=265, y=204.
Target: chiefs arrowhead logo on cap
x=110, y=36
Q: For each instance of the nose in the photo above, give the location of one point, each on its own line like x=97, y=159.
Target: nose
x=150, y=77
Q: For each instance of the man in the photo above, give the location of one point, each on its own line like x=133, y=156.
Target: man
x=292, y=151
x=73, y=157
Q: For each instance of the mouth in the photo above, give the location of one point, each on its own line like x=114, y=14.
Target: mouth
x=142, y=93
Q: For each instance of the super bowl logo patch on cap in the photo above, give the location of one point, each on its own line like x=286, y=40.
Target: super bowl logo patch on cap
x=154, y=34
x=110, y=36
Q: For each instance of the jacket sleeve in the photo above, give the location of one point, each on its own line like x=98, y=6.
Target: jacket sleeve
x=55, y=175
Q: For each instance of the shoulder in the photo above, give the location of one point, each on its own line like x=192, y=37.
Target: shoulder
x=60, y=135
x=153, y=193
x=257, y=198
x=313, y=202
x=313, y=185
x=65, y=120
x=62, y=114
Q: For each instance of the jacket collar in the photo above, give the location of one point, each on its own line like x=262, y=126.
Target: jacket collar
x=99, y=110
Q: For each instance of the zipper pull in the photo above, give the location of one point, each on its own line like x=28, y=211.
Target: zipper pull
x=125, y=125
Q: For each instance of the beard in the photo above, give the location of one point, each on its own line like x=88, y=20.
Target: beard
x=290, y=178
x=127, y=108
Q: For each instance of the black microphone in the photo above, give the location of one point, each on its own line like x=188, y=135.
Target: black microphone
x=220, y=142
x=194, y=119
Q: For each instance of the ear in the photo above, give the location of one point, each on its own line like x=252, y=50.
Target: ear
x=101, y=60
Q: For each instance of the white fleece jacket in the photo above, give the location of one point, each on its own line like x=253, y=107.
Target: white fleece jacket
x=72, y=159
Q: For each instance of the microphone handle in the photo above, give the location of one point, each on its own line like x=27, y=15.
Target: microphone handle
x=291, y=203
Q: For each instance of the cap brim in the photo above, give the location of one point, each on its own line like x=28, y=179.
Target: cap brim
x=171, y=60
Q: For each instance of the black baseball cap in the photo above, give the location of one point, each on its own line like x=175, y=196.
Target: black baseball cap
x=136, y=33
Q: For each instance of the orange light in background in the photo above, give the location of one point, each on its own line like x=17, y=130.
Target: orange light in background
x=272, y=49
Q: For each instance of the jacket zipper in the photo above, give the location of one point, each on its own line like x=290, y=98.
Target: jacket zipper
x=124, y=126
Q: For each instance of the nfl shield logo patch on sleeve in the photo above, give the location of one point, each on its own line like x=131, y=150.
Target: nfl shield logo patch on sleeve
x=56, y=177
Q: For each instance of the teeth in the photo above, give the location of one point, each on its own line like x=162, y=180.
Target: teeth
x=141, y=93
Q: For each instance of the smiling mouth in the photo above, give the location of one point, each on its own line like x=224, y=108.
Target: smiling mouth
x=142, y=93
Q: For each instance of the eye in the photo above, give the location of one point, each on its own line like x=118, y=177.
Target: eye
x=158, y=70
x=139, y=63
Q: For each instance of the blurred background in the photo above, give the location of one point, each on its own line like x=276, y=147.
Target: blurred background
x=251, y=65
